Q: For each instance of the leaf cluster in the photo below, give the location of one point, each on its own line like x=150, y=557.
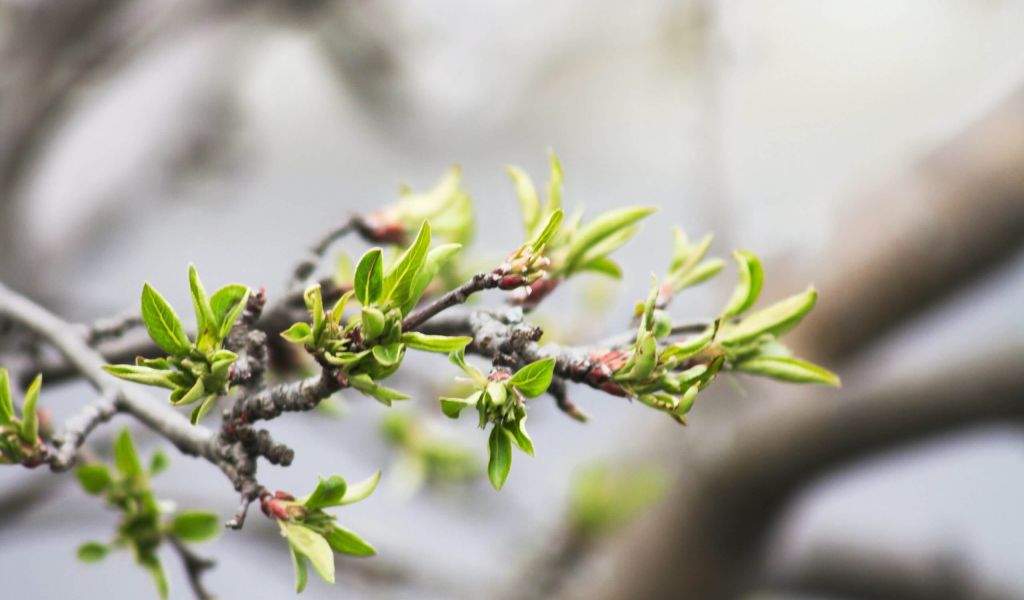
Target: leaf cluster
x=145, y=523
x=19, y=436
x=194, y=370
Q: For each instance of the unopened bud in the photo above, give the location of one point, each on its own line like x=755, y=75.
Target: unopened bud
x=511, y=282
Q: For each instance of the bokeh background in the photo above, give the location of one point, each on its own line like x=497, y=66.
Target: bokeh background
x=874, y=148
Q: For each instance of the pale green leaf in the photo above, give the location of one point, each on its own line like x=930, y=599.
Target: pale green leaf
x=600, y=228
x=792, y=370
x=344, y=541
x=162, y=323
x=749, y=286
x=533, y=379
x=434, y=343
x=195, y=526
x=311, y=545
x=369, y=278
x=328, y=492
x=398, y=282
x=145, y=375
x=361, y=490
x=29, y=419
x=775, y=319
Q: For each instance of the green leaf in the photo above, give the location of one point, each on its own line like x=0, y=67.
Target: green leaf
x=451, y=407
x=298, y=333
x=680, y=351
x=6, y=404
x=227, y=305
x=499, y=448
x=144, y=375
x=775, y=319
x=434, y=343
x=600, y=228
x=339, y=307
x=388, y=355
x=206, y=323
x=311, y=545
x=315, y=303
x=344, y=541
x=749, y=286
x=90, y=552
x=365, y=384
x=369, y=278
x=533, y=379
x=156, y=571
x=398, y=282
x=458, y=358
x=328, y=492
x=604, y=247
x=126, y=459
x=529, y=202
x=602, y=265
x=362, y=490
x=158, y=462
x=555, y=178
x=29, y=420
x=374, y=322
x=194, y=393
x=497, y=391
x=789, y=369
x=195, y=526
x=548, y=231
x=299, y=565
x=93, y=477
x=436, y=258
x=520, y=437
x=686, y=401
x=162, y=323
x=204, y=408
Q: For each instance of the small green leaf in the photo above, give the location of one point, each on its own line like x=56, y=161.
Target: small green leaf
x=90, y=552
x=344, y=541
x=399, y=280
x=298, y=333
x=339, y=307
x=158, y=463
x=315, y=303
x=126, y=459
x=499, y=447
x=451, y=407
x=600, y=228
x=749, y=286
x=194, y=393
x=162, y=323
x=299, y=565
x=144, y=375
x=94, y=477
x=373, y=322
x=365, y=384
x=362, y=490
x=29, y=420
x=533, y=379
x=156, y=571
x=680, y=351
x=555, y=178
x=311, y=545
x=436, y=258
x=434, y=343
x=369, y=278
x=548, y=231
x=195, y=526
x=789, y=369
x=529, y=202
x=388, y=355
x=328, y=492
x=686, y=401
x=497, y=391
x=520, y=437
x=602, y=265
x=701, y=273
x=227, y=305
x=6, y=404
x=458, y=358
x=206, y=323
x=204, y=408
x=775, y=319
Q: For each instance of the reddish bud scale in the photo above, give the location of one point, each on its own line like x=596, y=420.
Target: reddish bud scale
x=511, y=282
x=274, y=508
x=499, y=375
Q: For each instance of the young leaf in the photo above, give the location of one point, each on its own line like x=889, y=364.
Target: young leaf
x=156, y=571
x=749, y=287
x=548, y=231
x=29, y=420
x=434, y=343
x=204, y=408
x=299, y=565
x=6, y=404
x=788, y=369
x=533, y=379
x=94, y=477
x=194, y=393
x=339, y=307
x=365, y=384
x=600, y=228
x=373, y=322
x=555, y=178
x=206, y=324
x=158, y=463
x=436, y=258
x=520, y=437
x=92, y=552
x=328, y=492
x=451, y=407
x=227, y=305
x=315, y=303
x=144, y=375
x=499, y=447
x=360, y=491
x=311, y=545
x=529, y=202
x=388, y=355
x=344, y=541
x=162, y=323
x=776, y=319
x=602, y=265
x=369, y=278
x=458, y=358
x=126, y=459
x=299, y=333
x=399, y=281
x=682, y=350
x=195, y=526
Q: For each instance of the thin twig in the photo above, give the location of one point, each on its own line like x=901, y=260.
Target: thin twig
x=195, y=566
